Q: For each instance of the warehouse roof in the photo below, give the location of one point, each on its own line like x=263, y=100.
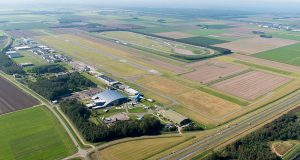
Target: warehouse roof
x=174, y=116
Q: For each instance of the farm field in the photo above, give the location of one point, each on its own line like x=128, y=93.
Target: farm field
x=289, y=55
x=140, y=149
x=264, y=62
x=24, y=25
x=204, y=32
x=157, y=29
x=256, y=45
x=33, y=134
x=251, y=85
x=194, y=100
x=23, y=33
x=175, y=35
x=8, y=102
x=286, y=35
x=202, y=41
x=208, y=71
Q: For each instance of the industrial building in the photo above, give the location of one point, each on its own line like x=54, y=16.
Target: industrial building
x=13, y=54
x=107, y=98
x=175, y=117
x=107, y=80
x=22, y=48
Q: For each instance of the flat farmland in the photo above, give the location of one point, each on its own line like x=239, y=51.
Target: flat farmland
x=251, y=85
x=166, y=86
x=286, y=35
x=206, y=105
x=23, y=33
x=204, y=32
x=140, y=149
x=33, y=134
x=13, y=99
x=200, y=104
x=202, y=41
x=206, y=72
x=175, y=35
x=265, y=62
x=289, y=54
x=256, y=45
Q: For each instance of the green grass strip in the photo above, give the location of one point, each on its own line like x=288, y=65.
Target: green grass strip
x=228, y=77
x=263, y=67
x=223, y=96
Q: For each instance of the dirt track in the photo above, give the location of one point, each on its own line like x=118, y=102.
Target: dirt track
x=13, y=99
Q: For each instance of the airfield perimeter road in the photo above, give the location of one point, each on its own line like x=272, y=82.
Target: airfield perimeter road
x=217, y=138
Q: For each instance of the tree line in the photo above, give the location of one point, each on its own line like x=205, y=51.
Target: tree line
x=54, y=87
x=256, y=145
x=80, y=115
x=52, y=68
x=8, y=66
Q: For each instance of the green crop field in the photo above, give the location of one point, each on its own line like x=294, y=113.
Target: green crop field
x=33, y=134
x=202, y=41
x=157, y=29
x=204, y=32
x=289, y=54
x=286, y=35
x=218, y=26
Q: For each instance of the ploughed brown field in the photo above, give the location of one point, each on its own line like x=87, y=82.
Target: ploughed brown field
x=13, y=99
x=256, y=45
x=206, y=72
x=251, y=85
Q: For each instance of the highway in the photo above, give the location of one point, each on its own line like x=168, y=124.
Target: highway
x=217, y=138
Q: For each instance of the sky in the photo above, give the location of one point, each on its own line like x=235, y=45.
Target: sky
x=276, y=5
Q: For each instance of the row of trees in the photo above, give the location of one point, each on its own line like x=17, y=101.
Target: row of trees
x=80, y=115
x=256, y=145
x=52, y=68
x=54, y=87
x=9, y=66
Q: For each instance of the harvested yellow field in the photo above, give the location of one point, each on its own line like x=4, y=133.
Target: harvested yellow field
x=206, y=104
x=140, y=149
x=167, y=86
x=209, y=122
